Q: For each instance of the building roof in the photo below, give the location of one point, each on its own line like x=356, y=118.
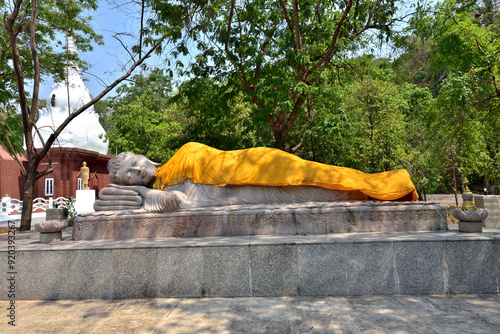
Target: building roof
x=4, y=155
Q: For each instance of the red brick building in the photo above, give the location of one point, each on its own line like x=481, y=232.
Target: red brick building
x=11, y=178
x=63, y=181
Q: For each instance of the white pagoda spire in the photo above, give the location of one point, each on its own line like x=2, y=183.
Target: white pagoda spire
x=84, y=131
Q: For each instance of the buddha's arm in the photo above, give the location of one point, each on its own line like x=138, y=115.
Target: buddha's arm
x=138, y=198
x=159, y=200
x=114, y=198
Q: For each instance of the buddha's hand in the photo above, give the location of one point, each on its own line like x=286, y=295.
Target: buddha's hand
x=115, y=197
x=154, y=200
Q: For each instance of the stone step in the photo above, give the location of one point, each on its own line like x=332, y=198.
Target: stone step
x=344, y=264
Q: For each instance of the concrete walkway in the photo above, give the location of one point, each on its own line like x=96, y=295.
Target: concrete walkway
x=366, y=314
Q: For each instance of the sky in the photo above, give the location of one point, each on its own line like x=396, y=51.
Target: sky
x=107, y=62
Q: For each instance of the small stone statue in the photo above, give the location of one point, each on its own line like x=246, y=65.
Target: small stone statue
x=470, y=218
x=85, y=173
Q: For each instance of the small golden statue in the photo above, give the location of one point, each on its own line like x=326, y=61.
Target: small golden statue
x=468, y=197
x=85, y=173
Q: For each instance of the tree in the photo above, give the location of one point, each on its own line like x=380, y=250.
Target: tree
x=218, y=115
x=141, y=118
x=462, y=120
x=272, y=50
x=29, y=27
x=376, y=108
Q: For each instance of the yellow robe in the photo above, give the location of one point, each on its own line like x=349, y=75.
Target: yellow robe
x=272, y=167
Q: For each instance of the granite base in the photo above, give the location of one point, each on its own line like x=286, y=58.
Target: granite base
x=338, y=264
x=308, y=218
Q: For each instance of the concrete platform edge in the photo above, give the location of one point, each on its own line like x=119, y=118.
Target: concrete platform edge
x=351, y=264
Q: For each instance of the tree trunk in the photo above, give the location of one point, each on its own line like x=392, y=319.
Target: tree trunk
x=280, y=140
x=281, y=127
x=29, y=186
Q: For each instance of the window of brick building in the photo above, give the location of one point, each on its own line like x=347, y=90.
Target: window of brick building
x=49, y=187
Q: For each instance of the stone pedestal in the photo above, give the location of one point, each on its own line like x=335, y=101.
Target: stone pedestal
x=48, y=237
x=50, y=231
x=470, y=220
x=298, y=219
x=489, y=202
x=471, y=227
x=84, y=201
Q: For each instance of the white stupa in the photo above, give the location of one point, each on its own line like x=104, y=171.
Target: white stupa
x=84, y=131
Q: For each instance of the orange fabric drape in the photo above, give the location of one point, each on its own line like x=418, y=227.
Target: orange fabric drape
x=272, y=167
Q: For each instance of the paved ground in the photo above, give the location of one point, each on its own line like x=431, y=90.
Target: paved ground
x=363, y=314
x=368, y=314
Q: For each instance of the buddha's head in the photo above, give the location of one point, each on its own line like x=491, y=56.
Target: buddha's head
x=128, y=168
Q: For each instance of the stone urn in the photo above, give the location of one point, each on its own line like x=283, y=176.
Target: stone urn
x=470, y=218
x=51, y=230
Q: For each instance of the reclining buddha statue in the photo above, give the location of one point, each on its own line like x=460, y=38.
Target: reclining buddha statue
x=199, y=176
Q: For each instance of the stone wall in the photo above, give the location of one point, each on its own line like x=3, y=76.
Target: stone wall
x=312, y=265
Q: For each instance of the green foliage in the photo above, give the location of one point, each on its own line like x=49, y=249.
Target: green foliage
x=140, y=119
x=433, y=110
x=70, y=205
x=54, y=20
x=258, y=77
x=455, y=53
x=218, y=116
x=377, y=124
x=271, y=51
x=13, y=135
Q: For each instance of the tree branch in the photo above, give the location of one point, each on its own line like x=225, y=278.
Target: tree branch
x=490, y=69
x=45, y=172
x=230, y=21
x=288, y=19
x=318, y=12
x=331, y=49
x=298, y=37
x=63, y=125
x=259, y=64
x=123, y=45
x=43, y=143
x=142, y=29
x=36, y=62
x=17, y=64
x=241, y=36
x=370, y=16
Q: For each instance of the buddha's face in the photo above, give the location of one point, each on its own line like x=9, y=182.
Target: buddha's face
x=137, y=170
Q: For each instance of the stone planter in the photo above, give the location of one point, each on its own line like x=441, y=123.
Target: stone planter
x=56, y=214
x=470, y=220
x=51, y=230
